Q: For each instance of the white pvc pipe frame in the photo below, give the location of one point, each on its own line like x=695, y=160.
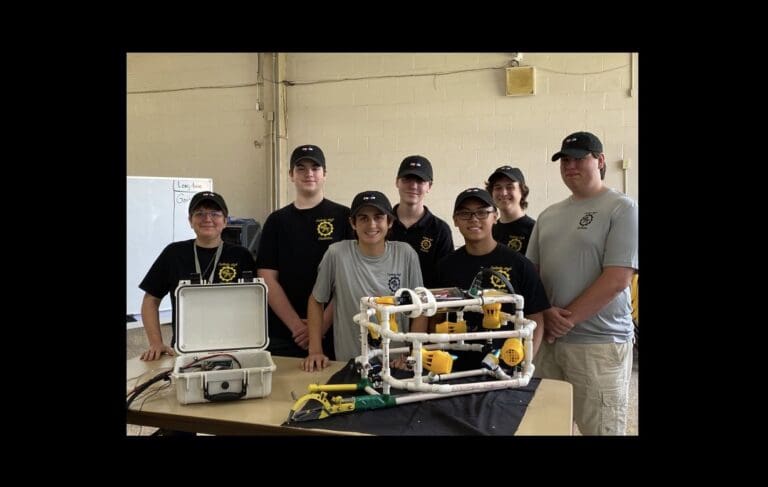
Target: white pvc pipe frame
x=441, y=341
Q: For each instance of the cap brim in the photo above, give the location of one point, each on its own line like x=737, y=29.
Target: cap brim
x=411, y=172
x=378, y=207
x=577, y=153
x=209, y=200
x=472, y=196
x=311, y=158
x=501, y=173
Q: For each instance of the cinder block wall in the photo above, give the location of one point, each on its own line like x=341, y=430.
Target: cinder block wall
x=198, y=115
x=461, y=121
x=368, y=111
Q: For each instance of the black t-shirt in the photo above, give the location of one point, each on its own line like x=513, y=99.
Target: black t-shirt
x=430, y=237
x=516, y=234
x=460, y=268
x=177, y=262
x=293, y=243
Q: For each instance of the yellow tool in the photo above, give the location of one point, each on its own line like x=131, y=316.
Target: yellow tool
x=316, y=405
x=338, y=387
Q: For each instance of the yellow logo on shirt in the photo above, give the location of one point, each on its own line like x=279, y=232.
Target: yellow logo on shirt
x=324, y=228
x=426, y=244
x=498, y=283
x=515, y=243
x=227, y=272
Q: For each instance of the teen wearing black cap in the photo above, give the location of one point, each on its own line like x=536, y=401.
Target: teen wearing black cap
x=207, y=255
x=293, y=242
x=507, y=186
x=369, y=266
x=429, y=236
x=474, y=214
x=586, y=250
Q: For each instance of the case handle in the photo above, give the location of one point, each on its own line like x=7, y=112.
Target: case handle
x=225, y=396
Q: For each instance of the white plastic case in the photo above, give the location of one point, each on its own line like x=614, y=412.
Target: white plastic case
x=217, y=326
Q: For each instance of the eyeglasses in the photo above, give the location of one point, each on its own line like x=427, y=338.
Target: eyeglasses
x=215, y=215
x=467, y=215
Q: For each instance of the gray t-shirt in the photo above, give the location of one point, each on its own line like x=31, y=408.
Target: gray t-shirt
x=572, y=242
x=349, y=275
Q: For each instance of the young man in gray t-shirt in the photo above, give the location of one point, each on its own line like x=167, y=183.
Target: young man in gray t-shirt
x=351, y=269
x=586, y=251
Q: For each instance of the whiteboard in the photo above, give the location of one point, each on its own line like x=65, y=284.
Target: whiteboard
x=156, y=215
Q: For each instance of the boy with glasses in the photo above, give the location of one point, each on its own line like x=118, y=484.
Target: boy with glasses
x=207, y=255
x=474, y=214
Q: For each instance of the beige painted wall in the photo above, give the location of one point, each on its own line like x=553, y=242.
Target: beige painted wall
x=463, y=122
x=199, y=121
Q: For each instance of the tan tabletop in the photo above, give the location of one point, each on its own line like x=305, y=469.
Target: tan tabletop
x=550, y=412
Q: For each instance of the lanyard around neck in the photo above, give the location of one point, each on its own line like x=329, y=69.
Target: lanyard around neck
x=214, y=262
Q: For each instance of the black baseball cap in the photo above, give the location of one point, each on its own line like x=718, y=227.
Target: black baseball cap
x=371, y=198
x=416, y=166
x=477, y=193
x=512, y=173
x=216, y=198
x=311, y=152
x=578, y=145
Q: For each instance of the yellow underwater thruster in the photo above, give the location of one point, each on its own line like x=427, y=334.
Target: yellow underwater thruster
x=512, y=351
x=451, y=327
x=437, y=361
x=491, y=316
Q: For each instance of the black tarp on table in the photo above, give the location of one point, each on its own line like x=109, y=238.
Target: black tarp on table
x=481, y=413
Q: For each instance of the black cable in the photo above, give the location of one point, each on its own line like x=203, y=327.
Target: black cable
x=478, y=281
x=207, y=358
x=136, y=392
